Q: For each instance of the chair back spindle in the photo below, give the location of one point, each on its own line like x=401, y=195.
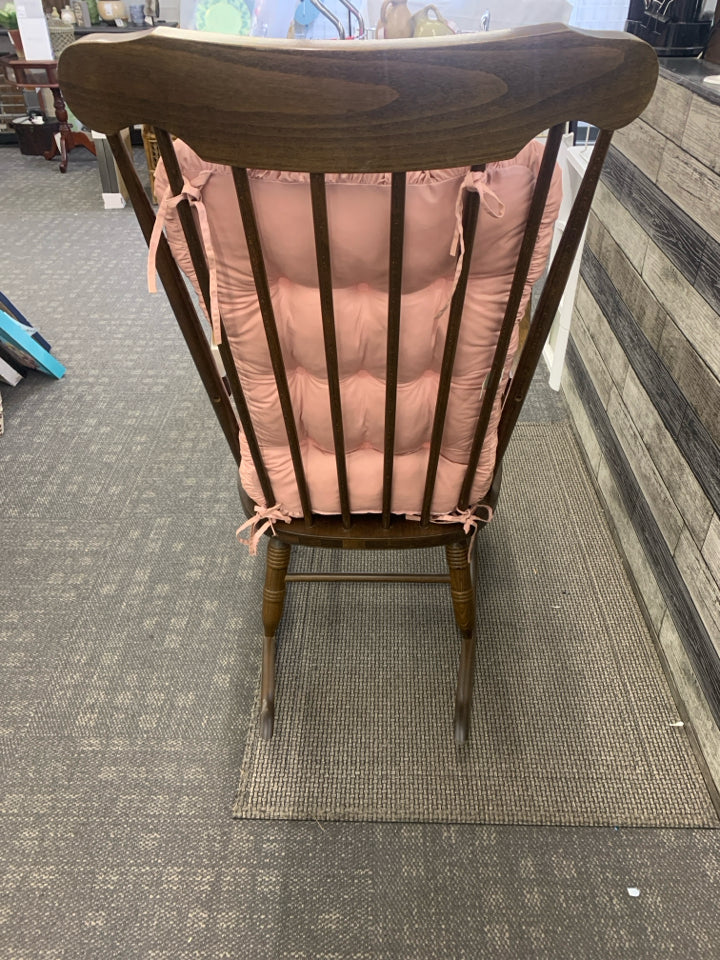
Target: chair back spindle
x=522, y=268
x=397, y=239
x=322, y=252
x=257, y=262
x=552, y=292
x=471, y=210
x=183, y=308
x=199, y=262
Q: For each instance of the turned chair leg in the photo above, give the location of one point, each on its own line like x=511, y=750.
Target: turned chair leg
x=463, y=597
x=278, y=558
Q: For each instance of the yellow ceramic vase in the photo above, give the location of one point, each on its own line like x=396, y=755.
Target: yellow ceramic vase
x=424, y=25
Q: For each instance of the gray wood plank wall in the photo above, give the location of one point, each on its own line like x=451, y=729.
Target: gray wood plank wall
x=642, y=378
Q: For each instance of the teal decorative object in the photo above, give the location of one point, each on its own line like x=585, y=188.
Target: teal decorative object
x=223, y=16
x=306, y=13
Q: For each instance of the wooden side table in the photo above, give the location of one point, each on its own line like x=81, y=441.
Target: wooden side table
x=32, y=74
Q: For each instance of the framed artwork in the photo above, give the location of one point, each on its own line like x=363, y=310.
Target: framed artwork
x=19, y=345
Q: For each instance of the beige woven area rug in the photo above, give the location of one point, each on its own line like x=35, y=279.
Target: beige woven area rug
x=573, y=720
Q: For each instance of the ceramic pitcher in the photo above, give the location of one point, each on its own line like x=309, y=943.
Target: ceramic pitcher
x=395, y=20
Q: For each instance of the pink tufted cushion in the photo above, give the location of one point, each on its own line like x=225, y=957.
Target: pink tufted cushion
x=358, y=209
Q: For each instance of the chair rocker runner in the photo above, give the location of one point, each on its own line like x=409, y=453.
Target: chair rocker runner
x=364, y=223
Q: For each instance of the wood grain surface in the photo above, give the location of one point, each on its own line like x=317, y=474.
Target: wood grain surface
x=648, y=313
x=644, y=146
x=693, y=376
x=711, y=548
x=693, y=186
x=691, y=312
x=668, y=110
x=667, y=225
x=701, y=134
x=681, y=420
x=687, y=493
x=708, y=275
x=327, y=106
x=695, y=636
x=648, y=476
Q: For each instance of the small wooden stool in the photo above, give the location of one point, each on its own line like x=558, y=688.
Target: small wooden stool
x=34, y=74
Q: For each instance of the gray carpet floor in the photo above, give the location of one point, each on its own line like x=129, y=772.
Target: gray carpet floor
x=572, y=723
x=125, y=695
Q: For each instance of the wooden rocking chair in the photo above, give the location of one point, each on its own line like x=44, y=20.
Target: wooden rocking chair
x=365, y=107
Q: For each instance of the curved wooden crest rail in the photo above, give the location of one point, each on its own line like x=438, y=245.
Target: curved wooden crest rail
x=367, y=106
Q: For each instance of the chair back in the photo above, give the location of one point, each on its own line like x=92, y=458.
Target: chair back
x=360, y=109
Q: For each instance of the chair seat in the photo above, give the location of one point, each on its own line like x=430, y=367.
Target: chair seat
x=367, y=531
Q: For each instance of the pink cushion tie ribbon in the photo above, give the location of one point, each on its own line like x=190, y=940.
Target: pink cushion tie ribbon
x=192, y=192
x=476, y=180
x=265, y=517
x=468, y=518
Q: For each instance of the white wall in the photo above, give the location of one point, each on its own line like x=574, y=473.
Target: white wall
x=170, y=10
x=599, y=14
x=590, y=14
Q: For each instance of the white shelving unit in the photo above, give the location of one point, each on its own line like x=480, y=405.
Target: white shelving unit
x=573, y=161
